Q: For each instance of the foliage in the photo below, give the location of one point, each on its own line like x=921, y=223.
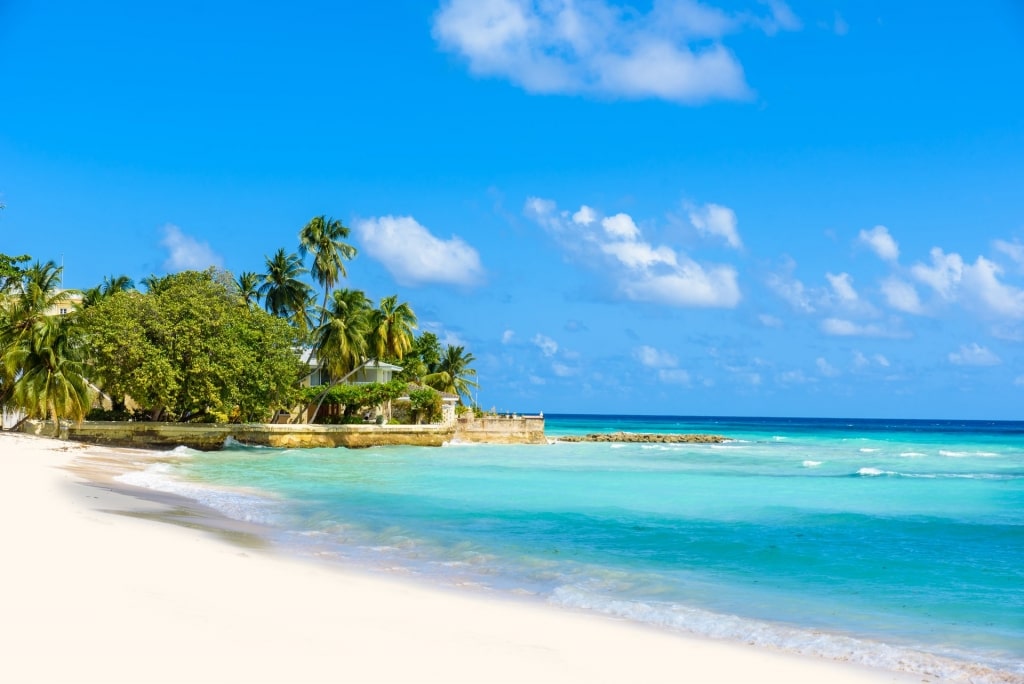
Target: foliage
x=111, y=285
x=357, y=398
x=322, y=237
x=284, y=294
x=391, y=329
x=41, y=370
x=340, y=341
x=426, y=405
x=10, y=271
x=454, y=374
x=187, y=351
x=422, y=359
x=116, y=415
x=248, y=284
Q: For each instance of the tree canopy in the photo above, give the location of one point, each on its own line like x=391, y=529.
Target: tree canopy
x=187, y=350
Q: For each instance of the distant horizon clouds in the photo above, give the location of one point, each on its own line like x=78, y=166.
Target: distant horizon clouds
x=414, y=256
x=673, y=52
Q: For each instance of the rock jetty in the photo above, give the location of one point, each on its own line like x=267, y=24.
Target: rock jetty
x=644, y=437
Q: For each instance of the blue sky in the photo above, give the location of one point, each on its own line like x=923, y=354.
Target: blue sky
x=697, y=208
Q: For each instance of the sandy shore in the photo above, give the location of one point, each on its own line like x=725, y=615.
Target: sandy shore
x=94, y=589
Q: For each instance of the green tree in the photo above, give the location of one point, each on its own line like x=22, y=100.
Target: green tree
x=41, y=371
x=391, y=329
x=454, y=374
x=284, y=294
x=423, y=359
x=248, y=284
x=188, y=352
x=109, y=286
x=153, y=283
x=341, y=340
x=323, y=238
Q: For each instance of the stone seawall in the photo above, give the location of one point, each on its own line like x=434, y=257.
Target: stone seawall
x=213, y=437
x=513, y=429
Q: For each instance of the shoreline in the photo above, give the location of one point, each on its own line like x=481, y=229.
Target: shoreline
x=97, y=575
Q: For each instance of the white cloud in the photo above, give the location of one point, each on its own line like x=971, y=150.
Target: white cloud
x=974, y=355
x=585, y=216
x=674, y=376
x=186, y=252
x=596, y=47
x=842, y=285
x=620, y=226
x=901, y=296
x=716, y=220
x=862, y=361
x=562, y=370
x=795, y=377
x=1014, y=250
x=981, y=280
x=943, y=275
x=841, y=327
x=826, y=368
x=414, y=256
x=791, y=289
x=643, y=271
x=689, y=285
x=1019, y=381
x=653, y=358
x=782, y=18
x=769, y=321
x=880, y=242
x=547, y=345
x=537, y=380
x=507, y=336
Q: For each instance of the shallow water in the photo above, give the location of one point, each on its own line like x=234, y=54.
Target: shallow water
x=892, y=543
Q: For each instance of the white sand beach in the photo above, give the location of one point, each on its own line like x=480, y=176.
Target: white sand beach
x=91, y=595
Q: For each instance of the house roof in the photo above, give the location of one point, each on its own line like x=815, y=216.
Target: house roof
x=308, y=356
x=379, y=364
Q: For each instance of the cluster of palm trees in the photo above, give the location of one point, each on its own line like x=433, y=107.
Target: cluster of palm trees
x=345, y=329
x=43, y=364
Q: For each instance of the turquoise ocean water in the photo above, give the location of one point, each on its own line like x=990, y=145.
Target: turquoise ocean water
x=898, y=544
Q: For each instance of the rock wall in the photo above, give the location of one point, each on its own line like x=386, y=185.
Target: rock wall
x=213, y=437
x=509, y=429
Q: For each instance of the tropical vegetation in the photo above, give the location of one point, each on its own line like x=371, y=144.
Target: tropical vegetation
x=209, y=346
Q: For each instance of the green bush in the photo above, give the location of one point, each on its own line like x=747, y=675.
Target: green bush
x=426, y=405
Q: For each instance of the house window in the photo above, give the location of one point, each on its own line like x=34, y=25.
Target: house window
x=63, y=312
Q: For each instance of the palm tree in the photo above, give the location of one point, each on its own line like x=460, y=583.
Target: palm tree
x=453, y=374
x=341, y=339
x=322, y=237
x=153, y=283
x=46, y=369
x=41, y=371
x=283, y=293
x=111, y=285
x=40, y=294
x=392, y=326
x=248, y=287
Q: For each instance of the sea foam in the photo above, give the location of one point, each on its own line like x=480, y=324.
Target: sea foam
x=949, y=666
x=235, y=504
